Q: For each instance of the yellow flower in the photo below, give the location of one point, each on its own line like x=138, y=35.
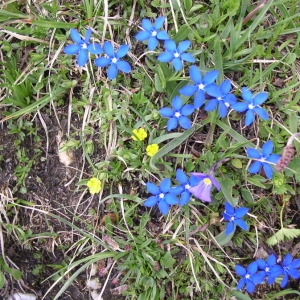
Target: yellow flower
x=140, y=134
x=94, y=184
x=152, y=149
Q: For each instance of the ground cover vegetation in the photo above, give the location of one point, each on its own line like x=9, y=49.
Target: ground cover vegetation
x=150, y=149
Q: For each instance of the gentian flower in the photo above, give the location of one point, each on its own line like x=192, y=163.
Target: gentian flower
x=263, y=159
x=234, y=217
x=250, y=277
x=152, y=149
x=113, y=60
x=185, y=184
x=94, y=185
x=82, y=46
x=252, y=105
x=223, y=98
x=203, y=188
x=198, y=89
x=290, y=268
x=151, y=32
x=163, y=195
x=176, y=54
x=270, y=267
x=177, y=114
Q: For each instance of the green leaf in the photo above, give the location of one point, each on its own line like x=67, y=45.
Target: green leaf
x=240, y=295
x=257, y=180
x=168, y=261
x=280, y=235
x=226, y=187
x=237, y=163
x=15, y=273
x=51, y=24
x=283, y=293
x=2, y=280
x=223, y=238
x=182, y=33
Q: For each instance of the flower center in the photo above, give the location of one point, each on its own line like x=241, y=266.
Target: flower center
x=84, y=46
x=226, y=104
x=187, y=186
x=201, y=86
x=267, y=269
x=176, y=54
x=114, y=60
x=250, y=106
x=161, y=195
x=219, y=98
x=232, y=218
x=207, y=181
x=154, y=33
x=177, y=114
x=247, y=276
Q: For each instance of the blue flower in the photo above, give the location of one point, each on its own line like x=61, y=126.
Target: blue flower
x=223, y=98
x=263, y=159
x=163, y=195
x=252, y=105
x=176, y=54
x=82, y=46
x=177, y=114
x=250, y=277
x=199, y=88
x=290, y=268
x=270, y=267
x=203, y=188
x=151, y=32
x=113, y=60
x=234, y=217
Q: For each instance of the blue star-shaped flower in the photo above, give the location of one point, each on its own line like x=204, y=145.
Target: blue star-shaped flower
x=177, y=114
x=250, y=277
x=223, y=98
x=202, y=189
x=113, y=60
x=151, y=32
x=263, y=159
x=290, y=268
x=82, y=46
x=252, y=105
x=163, y=195
x=176, y=54
x=270, y=267
x=200, y=85
x=234, y=217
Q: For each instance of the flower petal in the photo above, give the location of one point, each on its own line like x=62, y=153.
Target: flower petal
x=152, y=43
x=262, y=113
x=242, y=224
x=195, y=74
x=247, y=95
x=181, y=176
x=185, y=198
x=72, y=49
x=253, y=153
x=239, y=270
x=268, y=170
x=165, y=185
x=185, y=122
x=170, y=46
x=225, y=86
x=274, y=158
x=210, y=77
x=211, y=105
x=240, y=106
x=171, y=199
x=143, y=35
x=163, y=35
x=75, y=36
x=267, y=148
x=214, y=90
x=102, y=62
x=241, y=211
x=260, y=98
x=108, y=49
x=112, y=71
x=188, y=57
x=172, y=124
x=188, y=90
x=255, y=167
x=159, y=22
x=230, y=227
x=88, y=35
x=252, y=267
x=285, y=280
x=201, y=191
x=187, y=109
x=229, y=209
x=271, y=260
x=123, y=66
x=122, y=51
x=147, y=25
x=287, y=260
x=94, y=48
x=241, y=283
x=152, y=188
x=177, y=64
x=183, y=46
x=176, y=103
x=215, y=182
x=166, y=112
x=82, y=57
x=165, y=57
x=249, y=117
x=164, y=207
x=199, y=99
x=250, y=286
x=151, y=201
x=223, y=110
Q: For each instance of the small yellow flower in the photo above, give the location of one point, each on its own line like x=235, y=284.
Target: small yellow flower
x=94, y=184
x=152, y=149
x=140, y=134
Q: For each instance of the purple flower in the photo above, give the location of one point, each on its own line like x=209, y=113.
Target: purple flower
x=113, y=60
x=82, y=46
x=263, y=159
x=234, y=217
x=151, y=32
x=252, y=105
x=270, y=267
x=223, y=98
x=290, y=268
x=198, y=89
x=177, y=114
x=164, y=195
x=203, y=188
x=176, y=54
x=250, y=277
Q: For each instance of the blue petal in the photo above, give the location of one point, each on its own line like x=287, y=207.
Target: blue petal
x=72, y=49
x=184, y=45
x=108, y=49
x=268, y=170
x=240, y=106
x=112, y=71
x=171, y=199
x=124, y=66
x=223, y=110
x=152, y=188
x=255, y=167
x=199, y=99
x=88, y=35
x=241, y=223
x=176, y=103
x=165, y=185
x=211, y=105
x=239, y=270
x=210, y=77
x=249, y=117
x=159, y=22
x=102, y=62
x=258, y=278
x=201, y=191
x=188, y=57
x=152, y=43
x=143, y=35
x=285, y=280
x=122, y=51
x=187, y=109
x=247, y=95
x=230, y=98
x=166, y=112
x=225, y=86
x=229, y=209
x=214, y=90
x=230, y=227
x=250, y=286
x=287, y=260
x=185, y=122
x=75, y=36
x=253, y=153
x=163, y=35
x=241, y=284
x=177, y=64
x=296, y=263
x=252, y=268
x=226, y=216
x=151, y=201
x=82, y=57
x=294, y=273
x=262, y=113
x=195, y=74
x=273, y=158
x=163, y=207
x=165, y=57
x=172, y=124
x=147, y=25
x=185, y=198
x=267, y=148
x=260, y=98
x=181, y=176
x=188, y=90
x=176, y=190
x=271, y=260
x=170, y=46
x=261, y=264
x=241, y=211
x=214, y=182
x=94, y=48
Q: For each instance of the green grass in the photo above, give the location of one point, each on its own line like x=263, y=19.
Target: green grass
x=184, y=255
